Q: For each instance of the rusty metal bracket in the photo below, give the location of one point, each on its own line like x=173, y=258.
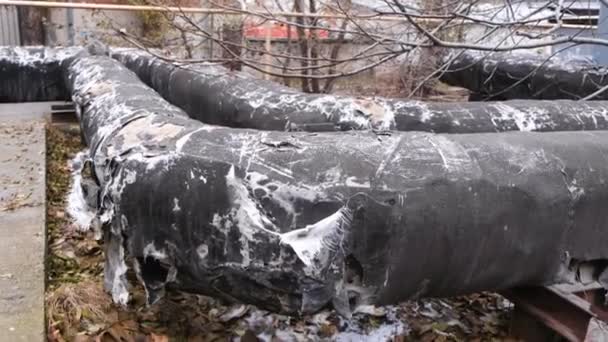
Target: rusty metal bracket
x=576, y=313
x=62, y=114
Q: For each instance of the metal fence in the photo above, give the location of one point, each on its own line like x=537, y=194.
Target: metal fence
x=9, y=26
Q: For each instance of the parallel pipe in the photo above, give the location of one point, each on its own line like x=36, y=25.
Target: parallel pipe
x=507, y=76
x=216, y=95
x=33, y=73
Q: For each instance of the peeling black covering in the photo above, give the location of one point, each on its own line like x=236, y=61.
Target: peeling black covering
x=33, y=73
x=507, y=76
x=215, y=95
x=294, y=221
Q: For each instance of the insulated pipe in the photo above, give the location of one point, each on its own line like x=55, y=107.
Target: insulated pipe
x=214, y=95
x=33, y=73
x=508, y=76
x=294, y=221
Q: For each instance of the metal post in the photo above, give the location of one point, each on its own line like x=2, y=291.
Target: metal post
x=600, y=52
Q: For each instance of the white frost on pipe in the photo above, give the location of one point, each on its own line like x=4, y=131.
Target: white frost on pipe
x=247, y=215
x=26, y=56
x=77, y=206
x=521, y=119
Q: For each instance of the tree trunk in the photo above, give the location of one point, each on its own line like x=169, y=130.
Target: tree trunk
x=232, y=33
x=313, y=45
x=303, y=42
x=31, y=25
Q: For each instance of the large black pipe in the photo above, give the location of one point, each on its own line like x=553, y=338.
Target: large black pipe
x=294, y=221
x=507, y=76
x=215, y=95
x=34, y=73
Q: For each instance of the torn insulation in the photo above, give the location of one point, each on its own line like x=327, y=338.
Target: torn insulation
x=293, y=222
x=296, y=221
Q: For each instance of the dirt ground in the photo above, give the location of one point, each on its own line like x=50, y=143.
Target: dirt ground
x=79, y=310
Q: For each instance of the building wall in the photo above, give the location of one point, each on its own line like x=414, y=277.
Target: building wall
x=67, y=26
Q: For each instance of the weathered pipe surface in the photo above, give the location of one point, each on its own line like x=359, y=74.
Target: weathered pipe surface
x=506, y=76
x=34, y=73
x=215, y=95
x=295, y=221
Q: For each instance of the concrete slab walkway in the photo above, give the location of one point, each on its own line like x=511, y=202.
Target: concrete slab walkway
x=22, y=221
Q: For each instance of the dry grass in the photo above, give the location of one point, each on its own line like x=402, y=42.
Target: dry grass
x=79, y=307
